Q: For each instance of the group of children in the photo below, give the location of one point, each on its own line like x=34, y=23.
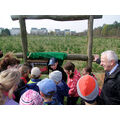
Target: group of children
x=22, y=84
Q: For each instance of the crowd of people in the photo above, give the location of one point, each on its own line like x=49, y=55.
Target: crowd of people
x=21, y=84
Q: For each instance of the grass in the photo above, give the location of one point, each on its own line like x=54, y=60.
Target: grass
x=67, y=44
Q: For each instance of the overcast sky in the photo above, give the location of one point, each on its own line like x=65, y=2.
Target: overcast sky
x=61, y=7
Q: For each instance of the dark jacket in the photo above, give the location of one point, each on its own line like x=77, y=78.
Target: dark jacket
x=62, y=90
x=110, y=94
x=54, y=102
x=22, y=87
x=64, y=75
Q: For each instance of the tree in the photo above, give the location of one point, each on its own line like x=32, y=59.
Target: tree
x=105, y=29
x=5, y=32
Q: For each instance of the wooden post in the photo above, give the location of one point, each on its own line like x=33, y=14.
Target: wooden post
x=23, y=37
x=90, y=41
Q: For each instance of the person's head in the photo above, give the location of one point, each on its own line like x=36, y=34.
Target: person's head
x=56, y=76
x=28, y=65
x=108, y=60
x=35, y=73
x=86, y=71
x=31, y=97
x=53, y=63
x=47, y=88
x=24, y=70
x=9, y=61
x=69, y=68
x=87, y=88
x=9, y=80
x=1, y=53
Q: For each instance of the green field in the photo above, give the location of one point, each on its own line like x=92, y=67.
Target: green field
x=67, y=44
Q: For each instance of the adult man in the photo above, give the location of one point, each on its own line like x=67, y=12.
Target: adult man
x=110, y=94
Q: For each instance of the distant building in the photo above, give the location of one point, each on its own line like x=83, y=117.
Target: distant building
x=15, y=31
x=67, y=32
x=57, y=32
x=73, y=33
x=34, y=31
x=44, y=31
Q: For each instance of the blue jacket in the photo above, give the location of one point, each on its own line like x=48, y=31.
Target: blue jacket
x=54, y=102
x=62, y=90
x=32, y=85
x=33, y=81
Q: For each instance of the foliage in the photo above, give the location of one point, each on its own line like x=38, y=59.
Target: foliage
x=107, y=30
x=5, y=32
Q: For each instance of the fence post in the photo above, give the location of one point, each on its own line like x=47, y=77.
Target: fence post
x=90, y=40
x=24, y=37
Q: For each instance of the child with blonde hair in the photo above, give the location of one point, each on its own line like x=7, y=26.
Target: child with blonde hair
x=9, y=80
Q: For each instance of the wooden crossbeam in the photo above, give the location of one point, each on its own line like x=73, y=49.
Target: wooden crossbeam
x=55, y=17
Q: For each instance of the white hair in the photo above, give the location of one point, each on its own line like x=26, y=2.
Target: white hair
x=111, y=55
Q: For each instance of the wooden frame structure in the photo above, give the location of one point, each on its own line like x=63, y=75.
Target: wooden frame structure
x=90, y=19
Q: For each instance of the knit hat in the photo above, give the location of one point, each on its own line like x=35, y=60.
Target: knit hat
x=52, y=61
x=56, y=76
x=31, y=97
x=87, y=88
x=35, y=71
x=46, y=86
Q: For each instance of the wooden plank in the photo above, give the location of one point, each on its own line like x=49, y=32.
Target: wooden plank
x=38, y=61
x=69, y=57
x=77, y=57
x=23, y=37
x=56, y=17
x=90, y=41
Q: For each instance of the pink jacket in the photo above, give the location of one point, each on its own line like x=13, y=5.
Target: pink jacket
x=96, y=79
x=72, y=83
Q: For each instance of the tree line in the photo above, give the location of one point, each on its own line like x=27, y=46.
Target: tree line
x=5, y=32
x=107, y=30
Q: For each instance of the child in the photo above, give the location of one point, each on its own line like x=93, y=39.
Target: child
x=62, y=88
x=47, y=89
x=35, y=75
x=31, y=97
x=35, y=78
x=88, y=90
x=88, y=71
x=24, y=70
x=73, y=77
x=9, y=61
x=9, y=80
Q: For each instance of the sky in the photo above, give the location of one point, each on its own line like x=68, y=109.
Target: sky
x=62, y=7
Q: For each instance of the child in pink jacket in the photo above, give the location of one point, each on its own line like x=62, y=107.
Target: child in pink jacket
x=73, y=77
